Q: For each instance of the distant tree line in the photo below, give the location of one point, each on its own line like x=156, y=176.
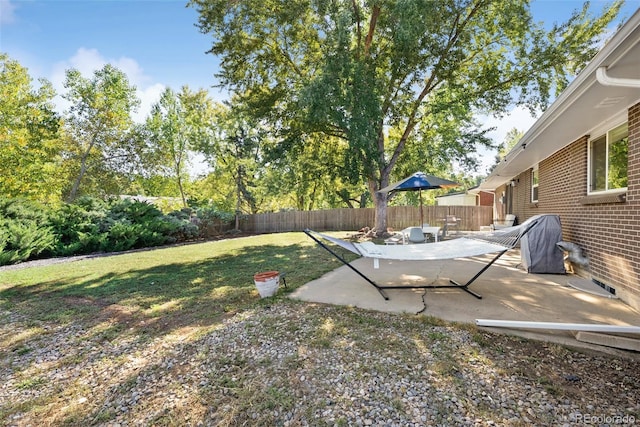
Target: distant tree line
x=94, y=148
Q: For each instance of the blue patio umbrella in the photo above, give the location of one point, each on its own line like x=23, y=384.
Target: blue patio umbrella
x=417, y=182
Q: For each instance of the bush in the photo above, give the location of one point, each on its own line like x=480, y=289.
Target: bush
x=25, y=230
x=122, y=237
x=80, y=227
x=212, y=221
x=181, y=226
x=140, y=224
x=89, y=225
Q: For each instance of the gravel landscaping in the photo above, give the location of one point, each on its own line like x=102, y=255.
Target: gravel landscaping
x=288, y=363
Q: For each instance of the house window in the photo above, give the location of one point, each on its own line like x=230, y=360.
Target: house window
x=608, y=160
x=534, y=184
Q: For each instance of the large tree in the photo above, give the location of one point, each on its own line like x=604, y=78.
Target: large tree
x=235, y=155
x=372, y=72
x=102, y=136
x=266, y=177
x=178, y=123
x=30, y=146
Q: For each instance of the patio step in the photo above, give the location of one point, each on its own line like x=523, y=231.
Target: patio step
x=609, y=340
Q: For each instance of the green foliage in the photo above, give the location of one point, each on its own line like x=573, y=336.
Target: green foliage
x=102, y=139
x=390, y=77
x=78, y=226
x=181, y=225
x=510, y=140
x=211, y=220
x=24, y=230
x=178, y=122
x=235, y=151
x=30, y=143
x=29, y=229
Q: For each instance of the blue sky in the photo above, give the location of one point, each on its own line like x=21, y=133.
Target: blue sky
x=156, y=43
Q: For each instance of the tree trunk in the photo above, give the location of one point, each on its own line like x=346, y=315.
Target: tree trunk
x=380, y=201
x=76, y=183
x=238, y=196
x=83, y=170
x=184, y=199
x=381, y=213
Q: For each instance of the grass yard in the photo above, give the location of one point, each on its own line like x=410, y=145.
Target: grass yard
x=190, y=285
x=179, y=336
x=175, y=292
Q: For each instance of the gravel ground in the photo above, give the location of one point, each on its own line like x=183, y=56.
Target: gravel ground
x=297, y=364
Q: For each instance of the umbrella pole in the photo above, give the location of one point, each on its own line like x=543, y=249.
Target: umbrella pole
x=421, y=215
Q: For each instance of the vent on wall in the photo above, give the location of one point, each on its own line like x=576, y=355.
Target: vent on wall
x=609, y=102
x=604, y=286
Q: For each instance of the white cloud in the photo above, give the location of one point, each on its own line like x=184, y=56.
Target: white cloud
x=6, y=12
x=148, y=97
x=518, y=118
x=87, y=61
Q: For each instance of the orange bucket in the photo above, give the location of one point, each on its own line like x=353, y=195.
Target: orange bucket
x=267, y=283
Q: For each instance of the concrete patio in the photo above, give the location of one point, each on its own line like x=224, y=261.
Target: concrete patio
x=509, y=293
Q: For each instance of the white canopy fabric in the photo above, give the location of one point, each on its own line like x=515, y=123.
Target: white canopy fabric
x=448, y=249
x=457, y=248
x=500, y=241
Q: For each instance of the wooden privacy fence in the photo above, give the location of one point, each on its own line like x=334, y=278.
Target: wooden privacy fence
x=398, y=217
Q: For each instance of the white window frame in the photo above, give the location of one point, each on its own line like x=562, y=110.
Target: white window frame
x=601, y=134
x=535, y=185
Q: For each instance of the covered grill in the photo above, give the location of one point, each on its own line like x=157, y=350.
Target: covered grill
x=538, y=250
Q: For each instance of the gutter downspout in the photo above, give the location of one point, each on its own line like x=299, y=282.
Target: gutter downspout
x=606, y=80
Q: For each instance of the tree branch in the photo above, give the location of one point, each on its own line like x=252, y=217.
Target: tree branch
x=356, y=12
x=432, y=82
x=372, y=28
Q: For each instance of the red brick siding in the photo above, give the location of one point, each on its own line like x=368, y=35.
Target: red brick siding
x=486, y=199
x=608, y=232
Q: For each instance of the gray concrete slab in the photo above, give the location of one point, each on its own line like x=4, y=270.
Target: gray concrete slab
x=509, y=293
x=609, y=340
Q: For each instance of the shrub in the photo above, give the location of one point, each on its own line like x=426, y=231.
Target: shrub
x=80, y=227
x=212, y=221
x=180, y=225
x=121, y=237
x=88, y=225
x=25, y=230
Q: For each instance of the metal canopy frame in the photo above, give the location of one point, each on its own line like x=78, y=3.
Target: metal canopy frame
x=452, y=283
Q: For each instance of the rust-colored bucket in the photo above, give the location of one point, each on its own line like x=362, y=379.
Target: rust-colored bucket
x=267, y=283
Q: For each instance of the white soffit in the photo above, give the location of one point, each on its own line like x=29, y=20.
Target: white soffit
x=585, y=105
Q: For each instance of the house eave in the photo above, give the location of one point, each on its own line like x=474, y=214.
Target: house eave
x=584, y=106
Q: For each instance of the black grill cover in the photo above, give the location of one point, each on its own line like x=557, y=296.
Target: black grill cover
x=538, y=250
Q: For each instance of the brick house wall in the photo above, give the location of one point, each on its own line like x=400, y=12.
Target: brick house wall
x=607, y=227
x=486, y=198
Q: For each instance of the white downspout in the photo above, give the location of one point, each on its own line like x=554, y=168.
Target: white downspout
x=587, y=327
x=606, y=80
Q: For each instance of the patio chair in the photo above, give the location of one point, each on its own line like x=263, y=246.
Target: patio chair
x=416, y=235
x=509, y=221
x=426, y=235
x=450, y=222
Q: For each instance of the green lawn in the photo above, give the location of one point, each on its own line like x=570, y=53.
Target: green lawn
x=139, y=301
x=194, y=284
